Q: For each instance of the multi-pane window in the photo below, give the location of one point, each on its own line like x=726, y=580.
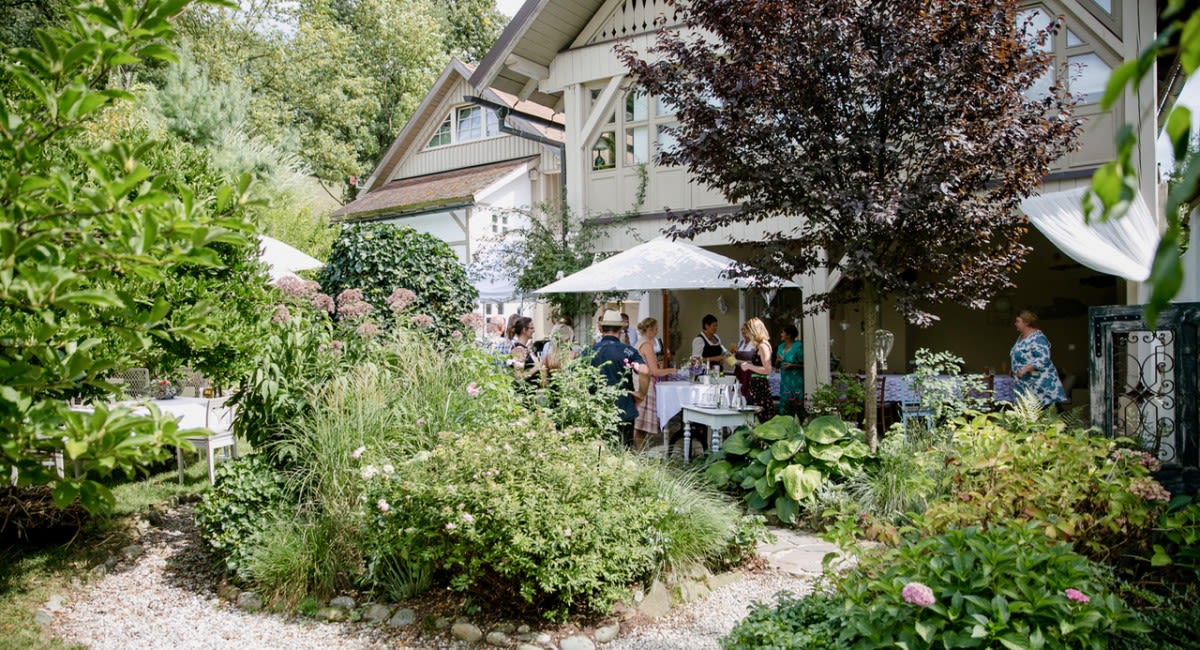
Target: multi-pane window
x=464, y=124
x=1086, y=71
x=641, y=123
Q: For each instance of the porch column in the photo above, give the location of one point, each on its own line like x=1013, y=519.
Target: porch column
x=814, y=330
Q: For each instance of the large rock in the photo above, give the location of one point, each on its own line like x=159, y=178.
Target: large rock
x=403, y=617
x=608, y=632
x=331, y=614
x=377, y=613
x=249, y=601
x=132, y=552
x=691, y=590
x=576, y=643
x=657, y=602
x=342, y=602
x=721, y=579
x=467, y=632
x=528, y=646
x=498, y=639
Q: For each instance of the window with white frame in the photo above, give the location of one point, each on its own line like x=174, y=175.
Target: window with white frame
x=1086, y=69
x=466, y=123
x=643, y=123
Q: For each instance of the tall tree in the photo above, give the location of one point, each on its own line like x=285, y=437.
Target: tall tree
x=469, y=27
x=901, y=134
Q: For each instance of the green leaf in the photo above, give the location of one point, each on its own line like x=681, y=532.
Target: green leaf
x=786, y=508
x=801, y=482
x=719, y=473
x=779, y=427
x=826, y=429
x=785, y=449
x=1189, y=44
x=1160, y=557
x=1179, y=128
x=737, y=444
x=827, y=453
x=925, y=631
x=64, y=493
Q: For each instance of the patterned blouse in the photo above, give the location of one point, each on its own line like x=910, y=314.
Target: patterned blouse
x=1043, y=382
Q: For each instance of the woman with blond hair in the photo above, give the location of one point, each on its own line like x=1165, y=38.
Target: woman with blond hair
x=757, y=369
x=558, y=348
x=647, y=419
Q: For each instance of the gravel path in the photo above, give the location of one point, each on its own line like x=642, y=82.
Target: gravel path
x=165, y=597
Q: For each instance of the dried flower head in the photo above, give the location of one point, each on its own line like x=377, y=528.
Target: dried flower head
x=399, y=300
x=281, y=316
x=916, y=593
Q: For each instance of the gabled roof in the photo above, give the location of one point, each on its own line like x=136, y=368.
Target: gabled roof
x=539, y=31
x=408, y=139
x=408, y=196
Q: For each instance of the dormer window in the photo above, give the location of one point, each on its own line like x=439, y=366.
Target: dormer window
x=466, y=123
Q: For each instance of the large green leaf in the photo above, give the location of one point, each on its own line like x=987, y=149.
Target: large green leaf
x=719, y=473
x=764, y=488
x=827, y=453
x=779, y=427
x=785, y=449
x=826, y=429
x=737, y=444
x=801, y=482
x=786, y=508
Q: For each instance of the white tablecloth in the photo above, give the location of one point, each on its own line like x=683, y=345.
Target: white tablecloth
x=191, y=412
x=672, y=396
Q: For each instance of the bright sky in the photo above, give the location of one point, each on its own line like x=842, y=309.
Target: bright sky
x=1190, y=97
x=509, y=7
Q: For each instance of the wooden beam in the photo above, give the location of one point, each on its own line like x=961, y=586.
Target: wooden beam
x=522, y=65
x=604, y=104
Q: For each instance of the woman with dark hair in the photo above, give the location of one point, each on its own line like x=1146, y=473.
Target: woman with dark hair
x=1033, y=372
x=790, y=354
x=522, y=359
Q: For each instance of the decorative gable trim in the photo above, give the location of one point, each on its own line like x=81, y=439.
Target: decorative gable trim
x=624, y=18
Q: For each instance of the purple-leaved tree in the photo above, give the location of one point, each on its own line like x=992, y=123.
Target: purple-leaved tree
x=902, y=134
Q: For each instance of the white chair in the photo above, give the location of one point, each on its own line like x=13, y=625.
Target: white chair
x=218, y=420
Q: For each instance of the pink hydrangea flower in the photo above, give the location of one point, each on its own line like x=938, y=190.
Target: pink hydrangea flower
x=399, y=300
x=367, y=330
x=382, y=505
x=919, y=594
x=473, y=389
x=1077, y=596
x=323, y=302
x=281, y=316
x=472, y=320
x=466, y=516
x=451, y=525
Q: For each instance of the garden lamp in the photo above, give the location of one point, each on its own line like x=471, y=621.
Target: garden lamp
x=883, y=346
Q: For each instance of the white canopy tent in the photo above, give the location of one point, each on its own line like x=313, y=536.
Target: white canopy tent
x=1122, y=247
x=655, y=265
x=496, y=290
x=284, y=260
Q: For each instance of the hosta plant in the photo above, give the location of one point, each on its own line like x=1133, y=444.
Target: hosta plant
x=779, y=464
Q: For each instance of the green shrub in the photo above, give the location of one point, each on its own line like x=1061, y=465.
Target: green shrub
x=247, y=494
x=583, y=400
x=844, y=397
x=1005, y=587
x=525, y=514
x=779, y=463
x=1068, y=482
x=379, y=258
x=903, y=478
x=1170, y=620
x=942, y=390
x=792, y=623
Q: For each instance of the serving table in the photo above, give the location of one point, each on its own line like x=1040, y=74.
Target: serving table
x=716, y=419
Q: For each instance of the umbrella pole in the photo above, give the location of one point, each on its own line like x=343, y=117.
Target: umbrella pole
x=666, y=330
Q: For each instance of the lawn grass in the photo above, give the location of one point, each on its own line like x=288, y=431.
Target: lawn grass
x=31, y=573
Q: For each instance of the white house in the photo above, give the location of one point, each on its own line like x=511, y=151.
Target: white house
x=559, y=54
x=465, y=172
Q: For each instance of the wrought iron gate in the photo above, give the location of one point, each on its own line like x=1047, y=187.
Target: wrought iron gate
x=1144, y=383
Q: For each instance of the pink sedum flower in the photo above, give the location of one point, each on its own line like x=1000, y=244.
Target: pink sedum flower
x=1077, y=596
x=916, y=593
x=367, y=330
x=382, y=505
x=281, y=316
x=399, y=300
x=473, y=389
x=323, y=302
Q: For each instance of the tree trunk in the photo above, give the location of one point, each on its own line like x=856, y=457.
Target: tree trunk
x=871, y=323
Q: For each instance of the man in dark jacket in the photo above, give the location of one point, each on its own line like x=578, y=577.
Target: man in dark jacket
x=614, y=359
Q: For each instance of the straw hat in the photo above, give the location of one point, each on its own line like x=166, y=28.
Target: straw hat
x=611, y=318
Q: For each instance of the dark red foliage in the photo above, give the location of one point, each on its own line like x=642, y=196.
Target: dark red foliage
x=896, y=131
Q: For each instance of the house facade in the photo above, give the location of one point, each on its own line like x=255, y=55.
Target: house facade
x=465, y=172
x=560, y=54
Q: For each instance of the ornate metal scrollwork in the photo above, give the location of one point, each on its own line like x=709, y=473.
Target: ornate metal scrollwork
x=1144, y=388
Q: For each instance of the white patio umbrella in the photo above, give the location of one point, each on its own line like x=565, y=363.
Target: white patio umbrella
x=657, y=264
x=284, y=260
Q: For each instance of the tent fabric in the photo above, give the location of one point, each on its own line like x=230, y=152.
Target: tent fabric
x=284, y=260
x=1122, y=247
x=655, y=265
x=496, y=290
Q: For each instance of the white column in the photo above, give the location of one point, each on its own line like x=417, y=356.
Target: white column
x=573, y=159
x=814, y=331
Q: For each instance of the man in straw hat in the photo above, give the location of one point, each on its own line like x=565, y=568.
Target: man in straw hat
x=614, y=358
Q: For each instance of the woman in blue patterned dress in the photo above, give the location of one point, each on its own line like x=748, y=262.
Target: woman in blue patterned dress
x=1032, y=369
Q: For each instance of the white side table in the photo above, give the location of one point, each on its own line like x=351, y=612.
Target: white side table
x=716, y=420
